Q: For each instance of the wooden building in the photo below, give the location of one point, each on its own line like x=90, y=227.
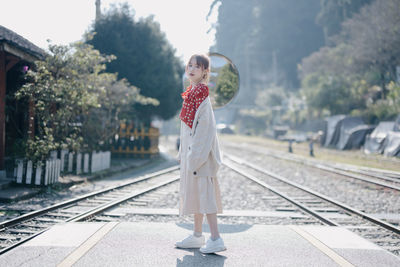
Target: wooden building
x=17, y=55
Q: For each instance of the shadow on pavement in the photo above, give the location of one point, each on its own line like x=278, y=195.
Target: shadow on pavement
x=200, y=259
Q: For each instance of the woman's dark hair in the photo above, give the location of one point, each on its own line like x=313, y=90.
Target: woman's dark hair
x=203, y=61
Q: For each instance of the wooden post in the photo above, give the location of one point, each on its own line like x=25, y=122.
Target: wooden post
x=3, y=84
x=29, y=172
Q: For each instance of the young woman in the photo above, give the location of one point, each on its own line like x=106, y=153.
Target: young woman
x=199, y=158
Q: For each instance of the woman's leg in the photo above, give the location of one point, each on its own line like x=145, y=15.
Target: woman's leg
x=198, y=223
x=212, y=222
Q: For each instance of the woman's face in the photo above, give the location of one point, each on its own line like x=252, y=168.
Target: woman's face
x=194, y=72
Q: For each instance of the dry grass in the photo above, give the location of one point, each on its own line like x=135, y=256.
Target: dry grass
x=355, y=157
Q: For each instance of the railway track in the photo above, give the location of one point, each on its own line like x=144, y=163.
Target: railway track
x=329, y=211
x=17, y=231
x=384, y=178
x=301, y=205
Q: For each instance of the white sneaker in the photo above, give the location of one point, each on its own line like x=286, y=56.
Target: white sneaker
x=191, y=242
x=213, y=246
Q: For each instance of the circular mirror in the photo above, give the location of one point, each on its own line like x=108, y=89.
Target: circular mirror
x=224, y=80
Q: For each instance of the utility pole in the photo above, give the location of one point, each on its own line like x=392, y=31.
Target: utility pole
x=275, y=68
x=98, y=10
x=248, y=75
x=3, y=86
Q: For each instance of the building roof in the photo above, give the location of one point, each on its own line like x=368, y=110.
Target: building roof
x=21, y=43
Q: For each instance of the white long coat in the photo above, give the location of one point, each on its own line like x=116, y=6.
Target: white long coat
x=200, y=160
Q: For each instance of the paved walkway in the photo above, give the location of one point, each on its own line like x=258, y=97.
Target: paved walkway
x=152, y=244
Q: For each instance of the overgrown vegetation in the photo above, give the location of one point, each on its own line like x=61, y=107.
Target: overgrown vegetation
x=329, y=56
x=143, y=56
x=77, y=105
x=357, y=73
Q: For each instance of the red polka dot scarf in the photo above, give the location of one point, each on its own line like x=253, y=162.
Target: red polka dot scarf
x=191, y=102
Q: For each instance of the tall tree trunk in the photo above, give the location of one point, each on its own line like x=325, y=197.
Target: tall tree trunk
x=3, y=85
x=383, y=84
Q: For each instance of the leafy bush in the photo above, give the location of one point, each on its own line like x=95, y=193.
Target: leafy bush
x=76, y=103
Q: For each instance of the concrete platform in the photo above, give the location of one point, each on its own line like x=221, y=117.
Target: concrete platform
x=152, y=244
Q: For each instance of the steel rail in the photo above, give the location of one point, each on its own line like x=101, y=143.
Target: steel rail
x=349, y=172
x=276, y=191
x=36, y=213
x=372, y=219
x=95, y=210
x=354, y=176
x=91, y=213
x=340, y=170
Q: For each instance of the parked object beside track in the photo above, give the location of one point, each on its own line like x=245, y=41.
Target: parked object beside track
x=396, y=126
x=280, y=130
x=350, y=133
x=392, y=144
x=385, y=139
x=374, y=141
x=346, y=132
x=354, y=138
x=331, y=123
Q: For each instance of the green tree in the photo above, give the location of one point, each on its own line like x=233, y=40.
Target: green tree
x=337, y=94
x=266, y=36
x=235, y=27
x=227, y=85
x=287, y=31
x=115, y=104
x=76, y=102
x=334, y=12
x=270, y=97
x=384, y=109
x=374, y=38
x=236, y=37
x=144, y=58
x=328, y=82
x=352, y=75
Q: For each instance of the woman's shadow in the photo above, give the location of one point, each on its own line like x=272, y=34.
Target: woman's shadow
x=200, y=259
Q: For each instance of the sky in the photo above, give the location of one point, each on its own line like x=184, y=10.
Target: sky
x=65, y=21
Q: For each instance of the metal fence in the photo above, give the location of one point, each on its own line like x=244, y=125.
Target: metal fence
x=136, y=141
